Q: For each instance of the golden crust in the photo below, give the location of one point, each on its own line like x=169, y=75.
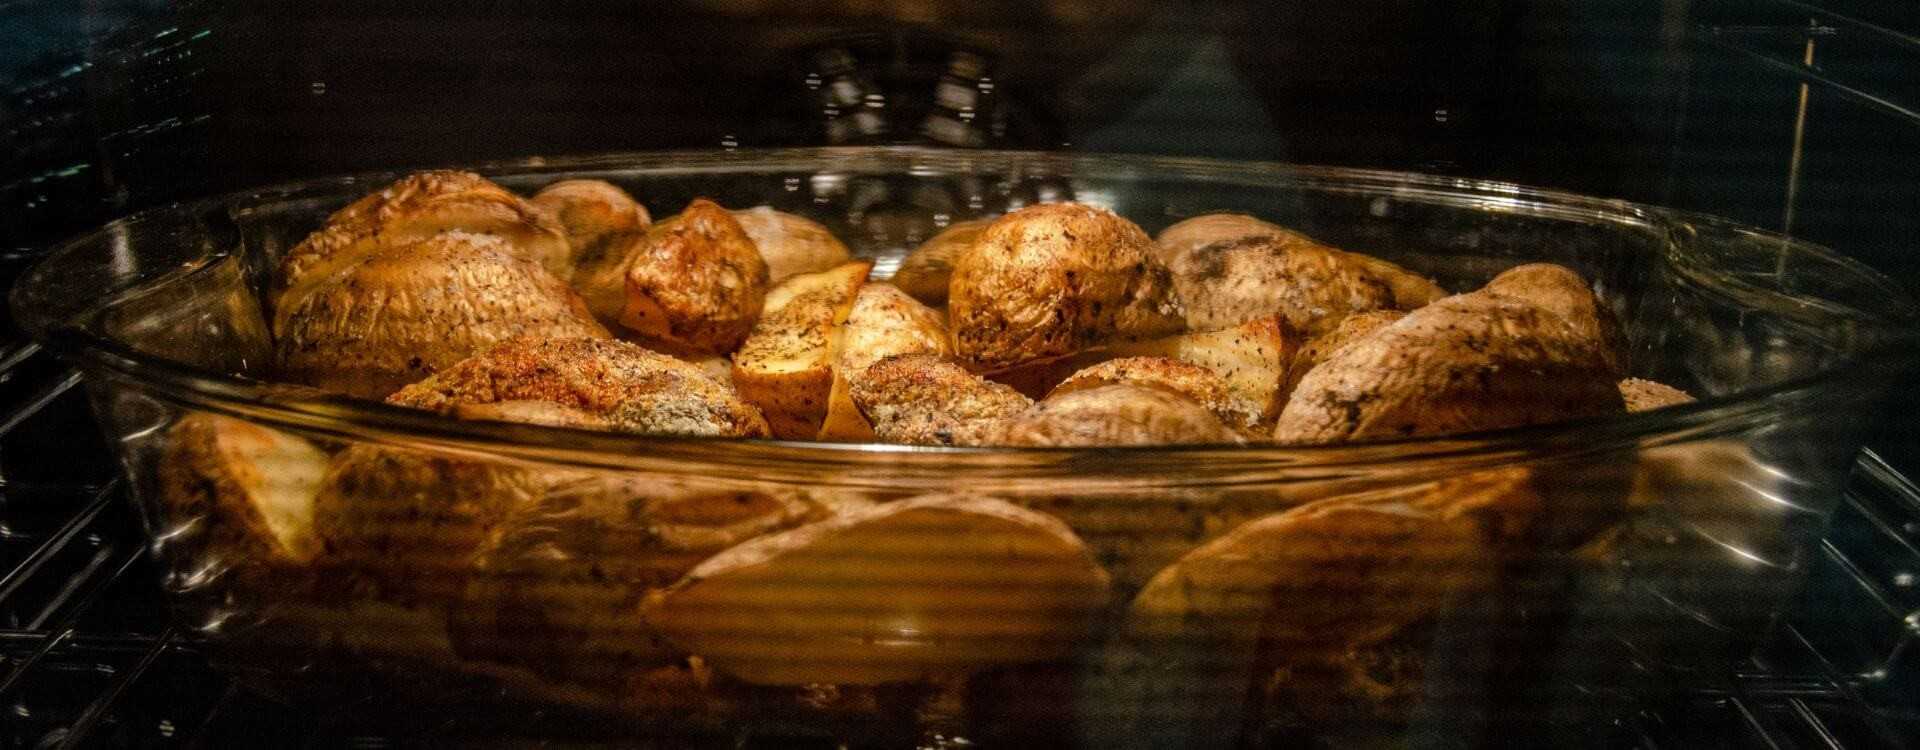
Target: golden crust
x=1407, y=289
x=884, y=322
x=402, y=313
x=419, y=206
x=925, y=400
x=785, y=366
x=926, y=272
x=1195, y=382
x=1107, y=415
x=1311, y=285
x=791, y=244
x=1053, y=279
x=1469, y=362
x=589, y=211
x=1647, y=395
x=631, y=388
x=695, y=281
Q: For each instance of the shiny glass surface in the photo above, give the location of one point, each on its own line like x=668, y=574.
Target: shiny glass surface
x=1654, y=545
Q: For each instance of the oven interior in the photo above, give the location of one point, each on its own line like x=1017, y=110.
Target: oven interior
x=1796, y=117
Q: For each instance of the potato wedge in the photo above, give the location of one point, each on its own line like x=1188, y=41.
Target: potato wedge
x=589, y=211
x=694, y=281
x=1408, y=290
x=884, y=322
x=934, y=586
x=397, y=315
x=1560, y=290
x=785, y=367
x=1331, y=596
x=790, y=244
x=1311, y=285
x=1106, y=415
x=1473, y=361
x=418, y=207
x=248, y=489
x=1199, y=384
x=555, y=592
x=927, y=271
x=1351, y=328
x=1647, y=395
x=1054, y=279
x=1252, y=357
x=926, y=400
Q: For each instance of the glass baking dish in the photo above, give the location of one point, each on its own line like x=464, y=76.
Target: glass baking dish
x=1257, y=594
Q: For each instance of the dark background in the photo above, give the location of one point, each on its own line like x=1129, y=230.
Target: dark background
x=108, y=106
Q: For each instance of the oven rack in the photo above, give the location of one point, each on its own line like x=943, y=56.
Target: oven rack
x=87, y=656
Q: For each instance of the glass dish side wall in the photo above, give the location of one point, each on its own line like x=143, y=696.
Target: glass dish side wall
x=1607, y=565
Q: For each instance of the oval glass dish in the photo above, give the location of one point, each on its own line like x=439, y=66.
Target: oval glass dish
x=1502, y=587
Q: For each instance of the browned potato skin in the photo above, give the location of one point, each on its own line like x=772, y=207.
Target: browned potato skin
x=1313, y=286
x=400, y=314
x=1409, y=290
x=623, y=385
x=1351, y=328
x=1050, y=280
x=926, y=400
x=884, y=322
x=769, y=611
x=590, y=210
x=420, y=206
x=556, y=592
x=1199, y=384
x=790, y=244
x=1107, y=415
x=785, y=366
x=1647, y=395
x=219, y=471
x=1469, y=362
x=1320, y=594
x=695, y=281
x=1562, y=291
x=927, y=272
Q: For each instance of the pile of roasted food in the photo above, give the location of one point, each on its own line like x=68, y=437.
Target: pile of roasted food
x=1056, y=325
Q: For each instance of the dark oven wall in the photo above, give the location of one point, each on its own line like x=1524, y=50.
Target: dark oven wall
x=118, y=104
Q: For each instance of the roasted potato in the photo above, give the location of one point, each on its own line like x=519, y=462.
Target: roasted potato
x=1106, y=415
x=927, y=271
x=619, y=384
x=1197, y=383
x=786, y=364
x=247, y=490
x=885, y=322
x=1647, y=395
x=1409, y=290
x=589, y=211
x=1560, y=290
x=869, y=597
x=1252, y=357
x=557, y=592
x=1473, y=361
x=693, y=282
x=1331, y=598
x=791, y=245
x=1051, y=280
x=1350, y=329
x=399, y=314
x=927, y=400
x=1311, y=285
x=418, y=207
